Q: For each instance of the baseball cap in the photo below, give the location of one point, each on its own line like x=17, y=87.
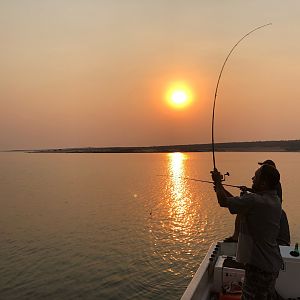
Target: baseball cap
x=268, y=162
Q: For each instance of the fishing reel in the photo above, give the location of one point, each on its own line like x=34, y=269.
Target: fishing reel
x=224, y=176
x=217, y=176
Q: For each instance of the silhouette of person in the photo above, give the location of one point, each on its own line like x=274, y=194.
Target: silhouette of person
x=283, y=238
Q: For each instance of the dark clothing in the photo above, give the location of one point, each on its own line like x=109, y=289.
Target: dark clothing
x=258, y=284
x=259, y=227
x=284, y=238
x=279, y=191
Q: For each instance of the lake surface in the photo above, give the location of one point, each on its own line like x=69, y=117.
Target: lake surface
x=105, y=226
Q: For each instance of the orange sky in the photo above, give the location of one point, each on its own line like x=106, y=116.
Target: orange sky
x=95, y=73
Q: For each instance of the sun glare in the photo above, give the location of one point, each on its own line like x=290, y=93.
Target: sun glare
x=179, y=96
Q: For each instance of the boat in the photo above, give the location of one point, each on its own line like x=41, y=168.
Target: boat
x=220, y=276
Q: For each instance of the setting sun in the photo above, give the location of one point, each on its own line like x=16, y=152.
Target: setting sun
x=179, y=95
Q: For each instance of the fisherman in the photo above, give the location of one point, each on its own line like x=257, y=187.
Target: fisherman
x=260, y=214
x=283, y=238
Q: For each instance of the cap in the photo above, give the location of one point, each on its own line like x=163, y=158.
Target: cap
x=268, y=162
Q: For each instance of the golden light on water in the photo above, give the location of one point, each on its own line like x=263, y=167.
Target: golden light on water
x=177, y=172
x=177, y=222
x=180, y=197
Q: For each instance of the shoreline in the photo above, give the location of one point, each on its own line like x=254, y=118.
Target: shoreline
x=258, y=146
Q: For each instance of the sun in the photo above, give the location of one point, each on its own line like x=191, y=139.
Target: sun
x=179, y=95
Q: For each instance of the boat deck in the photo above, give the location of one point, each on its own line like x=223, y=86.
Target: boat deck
x=220, y=276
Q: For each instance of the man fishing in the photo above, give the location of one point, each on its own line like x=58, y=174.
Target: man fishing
x=260, y=214
x=283, y=238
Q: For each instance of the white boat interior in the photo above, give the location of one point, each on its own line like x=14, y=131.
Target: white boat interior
x=220, y=276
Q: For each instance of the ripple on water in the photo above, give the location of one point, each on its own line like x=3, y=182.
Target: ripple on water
x=84, y=237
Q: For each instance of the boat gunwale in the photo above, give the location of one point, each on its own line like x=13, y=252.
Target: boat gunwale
x=193, y=288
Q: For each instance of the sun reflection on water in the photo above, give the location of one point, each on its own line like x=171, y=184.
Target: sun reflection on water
x=178, y=221
x=179, y=195
x=181, y=211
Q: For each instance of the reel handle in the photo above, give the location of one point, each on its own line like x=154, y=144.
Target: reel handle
x=224, y=176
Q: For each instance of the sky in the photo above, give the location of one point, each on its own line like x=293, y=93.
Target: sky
x=95, y=73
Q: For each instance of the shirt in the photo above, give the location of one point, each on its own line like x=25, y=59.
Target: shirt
x=260, y=215
x=284, y=237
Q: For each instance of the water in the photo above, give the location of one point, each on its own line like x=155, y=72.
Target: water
x=105, y=226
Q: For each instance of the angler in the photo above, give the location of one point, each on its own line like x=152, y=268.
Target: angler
x=259, y=214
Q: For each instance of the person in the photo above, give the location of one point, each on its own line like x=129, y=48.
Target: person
x=284, y=238
x=257, y=248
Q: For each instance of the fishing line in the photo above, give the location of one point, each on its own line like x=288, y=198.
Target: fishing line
x=205, y=181
x=213, y=113
x=216, y=91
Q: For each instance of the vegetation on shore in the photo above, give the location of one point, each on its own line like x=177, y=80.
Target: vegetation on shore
x=259, y=146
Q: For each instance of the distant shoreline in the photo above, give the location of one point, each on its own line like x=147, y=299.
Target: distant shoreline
x=258, y=146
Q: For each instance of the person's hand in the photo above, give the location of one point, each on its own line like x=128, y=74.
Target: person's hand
x=243, y=188
x=216, y=176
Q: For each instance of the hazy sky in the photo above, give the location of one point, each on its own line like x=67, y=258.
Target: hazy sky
x=95, y=72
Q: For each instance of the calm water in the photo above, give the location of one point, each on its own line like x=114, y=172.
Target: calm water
x=105, y=226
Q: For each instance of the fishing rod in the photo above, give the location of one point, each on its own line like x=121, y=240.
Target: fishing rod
x=216, y=92
x=205, y=181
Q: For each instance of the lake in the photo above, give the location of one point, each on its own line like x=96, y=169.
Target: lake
x=106, y=226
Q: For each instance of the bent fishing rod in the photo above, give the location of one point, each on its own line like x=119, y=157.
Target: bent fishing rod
x=216, y=93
